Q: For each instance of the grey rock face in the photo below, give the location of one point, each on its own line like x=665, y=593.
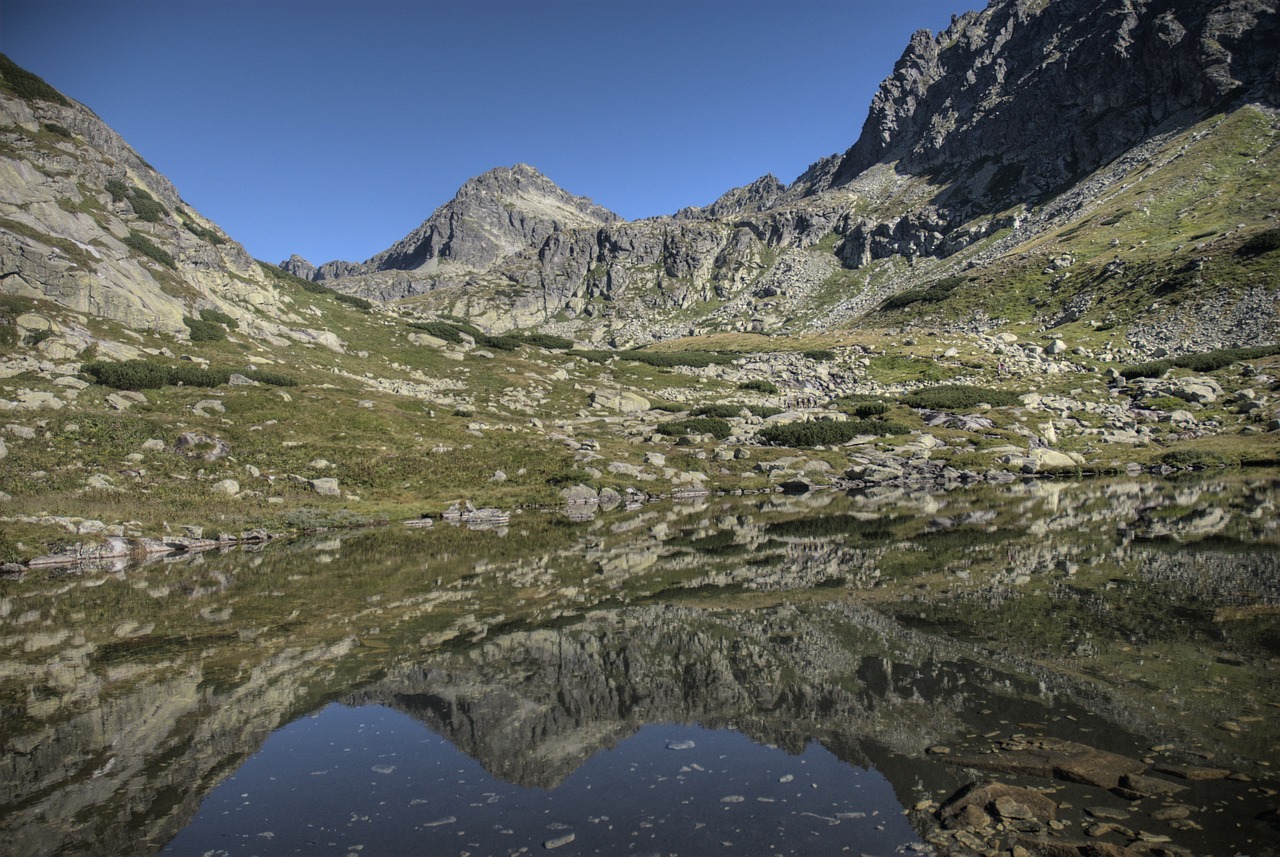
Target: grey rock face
x=299, y=267
x=493, y=215
x=1049, y=91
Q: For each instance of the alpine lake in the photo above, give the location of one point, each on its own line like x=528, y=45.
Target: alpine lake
x=1046, y=665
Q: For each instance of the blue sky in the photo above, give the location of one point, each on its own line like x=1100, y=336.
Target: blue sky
x=331, y=129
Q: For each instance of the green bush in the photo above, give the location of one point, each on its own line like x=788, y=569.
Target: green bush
x=544, y=340
x=1150, y=369
x=502, y=343
x=827, y=432
x=665, y=359
x=55, y=128
x=718, y=411
x=352, y=300
x=191, y=375
x=438, y=329
x=462, y=324
x=118, y=190
x=950, y=397
x=863, y=410
x=204, y=331
x=764, y=411
x=216, y=317
x=759, y=386
x=146, y=207
x=696, y=425
x=1263, y=242
x=127, y=375
x=821, y=355
x=1203, y=361
x=202, y=233
x=932, y=294
x=27, y=86
x=143, y=245
x=660, y=359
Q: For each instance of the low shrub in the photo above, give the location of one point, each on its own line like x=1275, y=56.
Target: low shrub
x=714, y=426
x=128, y=374
x=862, y=410
x=55, y=128
x=950, y=397
x=759, y=386
x=1150, y=369
x=144, y=245
x=764, y=411
x=718, y=411
x=544, y=340
x=217, y=317
x=660, y=359
x=501, y=343
x=1203, y=361
x=146, y=206
x=191, y=375
x=202, y=233
x=438, y=329
x=828, y=432
x=932, y=294
x=204, y=331
x=353, y=300
x=27, y=86
x=666, y=359
x=150, y=375
x=119, y=190
x=821, y=355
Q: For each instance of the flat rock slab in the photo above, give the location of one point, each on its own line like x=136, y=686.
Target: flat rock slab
x=1194, y=772
x=1054, y=759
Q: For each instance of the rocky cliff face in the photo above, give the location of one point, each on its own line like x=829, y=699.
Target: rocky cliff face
x=1047, y=92
x=87, y=223
x=494, y=215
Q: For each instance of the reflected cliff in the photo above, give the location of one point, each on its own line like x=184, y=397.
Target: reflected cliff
x=1123, y=614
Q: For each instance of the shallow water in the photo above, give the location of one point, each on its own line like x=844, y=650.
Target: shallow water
x=351, y=693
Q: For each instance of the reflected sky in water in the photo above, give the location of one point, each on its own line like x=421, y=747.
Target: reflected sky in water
x=372, y=781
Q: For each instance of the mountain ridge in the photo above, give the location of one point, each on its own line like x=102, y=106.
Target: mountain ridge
x=978, y=127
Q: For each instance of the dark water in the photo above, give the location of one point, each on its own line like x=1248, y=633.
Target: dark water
x=785, y=675
x=371, y=780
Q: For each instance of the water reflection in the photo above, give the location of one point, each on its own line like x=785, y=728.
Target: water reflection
x=1120, y=615
x=372, y=781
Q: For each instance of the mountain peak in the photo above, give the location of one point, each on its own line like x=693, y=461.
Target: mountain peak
x=493, y=215
x=1054, y=90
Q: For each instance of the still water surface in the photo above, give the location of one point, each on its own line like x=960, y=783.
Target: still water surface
x=371, y=779
x=782, y=674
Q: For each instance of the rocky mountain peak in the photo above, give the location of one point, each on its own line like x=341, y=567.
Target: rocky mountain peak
x=761, y=195
x=1046, y=92
x=494, y=215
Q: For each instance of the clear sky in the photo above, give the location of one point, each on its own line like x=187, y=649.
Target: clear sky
x=332, y=128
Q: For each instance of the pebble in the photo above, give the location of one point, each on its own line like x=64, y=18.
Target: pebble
x=558, y=841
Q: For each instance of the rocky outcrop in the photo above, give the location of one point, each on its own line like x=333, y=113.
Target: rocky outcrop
x=87, y=223
x=494, y=215
x=1038, y=94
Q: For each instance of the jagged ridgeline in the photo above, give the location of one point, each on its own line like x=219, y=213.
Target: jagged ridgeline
x=1046, y=162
